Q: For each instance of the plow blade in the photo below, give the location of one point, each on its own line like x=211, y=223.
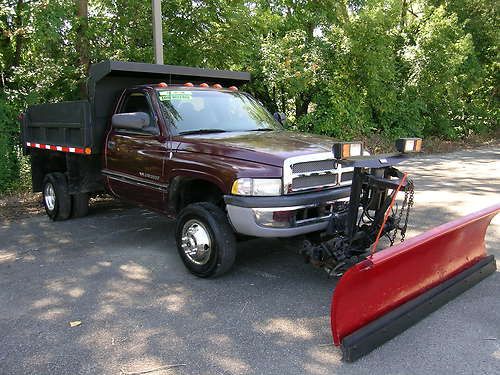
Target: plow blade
x=390, y=291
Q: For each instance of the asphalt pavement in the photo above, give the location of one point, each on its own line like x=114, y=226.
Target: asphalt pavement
x=117, y=271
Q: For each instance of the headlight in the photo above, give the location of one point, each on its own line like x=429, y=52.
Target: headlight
x=344, y=150
x=257, y=186
x=409, y=145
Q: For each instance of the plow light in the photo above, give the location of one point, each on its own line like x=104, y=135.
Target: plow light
x=406, y=145
x=344, y=150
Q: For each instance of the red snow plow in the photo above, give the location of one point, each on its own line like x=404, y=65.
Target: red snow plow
x=382, y=293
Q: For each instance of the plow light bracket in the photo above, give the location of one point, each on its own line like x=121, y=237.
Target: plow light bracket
x=406, y=145
x=344, y=150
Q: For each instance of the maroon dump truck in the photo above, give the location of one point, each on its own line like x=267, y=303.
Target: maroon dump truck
x=187, y=143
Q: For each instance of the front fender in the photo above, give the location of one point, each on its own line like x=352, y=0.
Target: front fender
x=217, y=170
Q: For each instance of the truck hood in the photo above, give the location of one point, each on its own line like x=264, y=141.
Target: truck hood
x=266, y=147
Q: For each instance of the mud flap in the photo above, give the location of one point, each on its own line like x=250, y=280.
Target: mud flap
x=390, y=291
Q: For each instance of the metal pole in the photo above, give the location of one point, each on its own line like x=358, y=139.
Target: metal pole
x=157, y=32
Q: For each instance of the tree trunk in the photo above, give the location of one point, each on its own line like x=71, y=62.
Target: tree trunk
x=11, y=42
x=19, y=35
x=404, y=10
x=283, y=99
x=82, y=42
x=301, y=104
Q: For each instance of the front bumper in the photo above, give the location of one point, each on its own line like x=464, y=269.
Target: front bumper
x=286, y=215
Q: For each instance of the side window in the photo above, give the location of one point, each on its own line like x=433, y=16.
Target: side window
x=138, y=102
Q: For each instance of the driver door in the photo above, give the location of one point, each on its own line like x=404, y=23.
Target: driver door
x=135, y=158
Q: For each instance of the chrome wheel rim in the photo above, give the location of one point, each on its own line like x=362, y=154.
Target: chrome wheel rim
x=195, y=242
x=49, y=195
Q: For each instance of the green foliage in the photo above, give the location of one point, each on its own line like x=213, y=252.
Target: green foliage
x=9, y=152
x=343, y=68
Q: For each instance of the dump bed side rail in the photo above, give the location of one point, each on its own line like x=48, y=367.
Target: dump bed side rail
x=62, y=127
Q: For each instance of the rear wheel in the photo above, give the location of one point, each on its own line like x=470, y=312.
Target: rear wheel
x=80, y=203
x=56, y=199
x=205, y=240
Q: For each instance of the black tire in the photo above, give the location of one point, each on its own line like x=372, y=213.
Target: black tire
x=223, y=243
x=80, y=205
x=60, y=209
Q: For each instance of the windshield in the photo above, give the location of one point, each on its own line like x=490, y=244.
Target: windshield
x=192, y=111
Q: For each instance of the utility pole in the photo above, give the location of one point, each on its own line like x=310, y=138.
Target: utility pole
x=157, y=31
x=82, y=45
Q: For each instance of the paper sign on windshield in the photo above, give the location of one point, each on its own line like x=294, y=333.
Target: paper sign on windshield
x=176, y=95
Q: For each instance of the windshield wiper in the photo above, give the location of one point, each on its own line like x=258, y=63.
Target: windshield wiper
x=202, y=131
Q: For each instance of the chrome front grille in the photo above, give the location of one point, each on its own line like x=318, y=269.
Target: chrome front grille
x=313, y=166
x=346, y=176
x=314, y=172
x=314, y=181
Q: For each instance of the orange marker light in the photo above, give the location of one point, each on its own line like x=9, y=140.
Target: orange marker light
x=233, y=88
x=204, y=85
x=88, y=150
x=418, y=145
x=346, y=150
x=188, y=84
x=162, y=84
x=217, y=86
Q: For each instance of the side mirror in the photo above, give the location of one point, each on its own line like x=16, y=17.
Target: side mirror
x=280, y=117
x=132, y=120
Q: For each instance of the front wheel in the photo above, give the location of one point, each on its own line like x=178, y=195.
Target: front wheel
x=205, y=240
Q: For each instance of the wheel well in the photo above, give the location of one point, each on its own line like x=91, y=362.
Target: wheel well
x=42, y=163
x=83, y=171
x=193, y=190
